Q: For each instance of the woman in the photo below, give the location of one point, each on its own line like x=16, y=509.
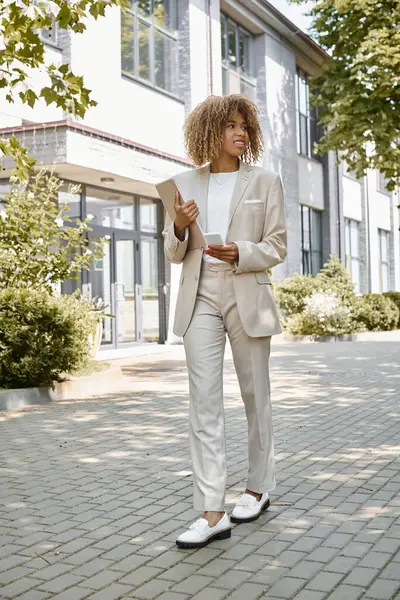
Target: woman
x=226, y=290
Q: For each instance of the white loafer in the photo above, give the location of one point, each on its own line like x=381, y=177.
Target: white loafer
x=248, y=509
x=200, y=533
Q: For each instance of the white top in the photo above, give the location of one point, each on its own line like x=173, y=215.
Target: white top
x=220, y=190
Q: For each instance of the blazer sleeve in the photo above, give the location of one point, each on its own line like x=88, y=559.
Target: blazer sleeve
x=174, y=249
x=272, y=249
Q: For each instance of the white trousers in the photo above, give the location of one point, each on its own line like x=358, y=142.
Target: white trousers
x=215, y=315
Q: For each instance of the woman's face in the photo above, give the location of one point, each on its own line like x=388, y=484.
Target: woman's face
x=236, y=137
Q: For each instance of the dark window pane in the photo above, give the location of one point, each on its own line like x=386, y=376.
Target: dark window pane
x=144, y=7
x=127, y=43
x=165, y=57
x=306, y=227
x=306, y=262
x=244, y=52
x=144, y=51
x=164, y=14
x=316, y=231
x=316, y=262
x=232, y=44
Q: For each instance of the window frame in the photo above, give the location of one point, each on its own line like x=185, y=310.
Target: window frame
x=248, y=79
x=153, y=28
x=383, y=233
x=309, y=264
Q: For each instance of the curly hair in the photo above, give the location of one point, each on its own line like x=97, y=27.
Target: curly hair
x=204, y=128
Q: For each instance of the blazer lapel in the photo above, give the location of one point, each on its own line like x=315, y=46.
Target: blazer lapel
x=245, y=175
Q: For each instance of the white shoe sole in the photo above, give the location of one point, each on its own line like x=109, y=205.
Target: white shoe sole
x=254, y=517
x=220, y=535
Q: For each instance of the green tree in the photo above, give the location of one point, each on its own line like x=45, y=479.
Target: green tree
x=358, y=91
x=22, y=52
x=40, y=246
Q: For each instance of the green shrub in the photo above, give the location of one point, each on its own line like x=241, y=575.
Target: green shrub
x=395, y=297
x=291, y=293
x=323, y=314
x=376, y=312
x=42, y=337
x=334, y=278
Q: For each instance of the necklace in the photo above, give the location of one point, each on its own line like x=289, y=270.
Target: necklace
x=225, y=179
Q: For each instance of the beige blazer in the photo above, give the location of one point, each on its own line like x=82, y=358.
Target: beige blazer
x=257, y=227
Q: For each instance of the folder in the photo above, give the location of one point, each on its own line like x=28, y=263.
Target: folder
x=166, y=190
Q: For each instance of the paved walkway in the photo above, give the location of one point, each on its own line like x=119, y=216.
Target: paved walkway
x=93, y=493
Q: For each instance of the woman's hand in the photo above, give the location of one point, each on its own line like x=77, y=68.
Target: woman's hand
x=228, y=252
x=186, y=214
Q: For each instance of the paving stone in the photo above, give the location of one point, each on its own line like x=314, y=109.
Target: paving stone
x=193, y=584
x=375, y=560
x=306, y=569
x=60, y=583
x=287, y=587
x=152, y=589
x=383, y=589
x=341, y=564
x=140, y=575
x=210, y=593
x=250, y=591
x=347, y=592
x=362, y=576
x=231, y=579
x=111, y=592
x=325, y=581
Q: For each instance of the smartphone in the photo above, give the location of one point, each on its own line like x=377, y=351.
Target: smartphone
x=214, y=239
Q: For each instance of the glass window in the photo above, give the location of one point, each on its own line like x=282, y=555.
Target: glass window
x=164, y=61
x=100, y=281
x=66, y=195
x=308, y=130
x=232, y=59
x=148, y=216
x=311, y=240
x=149, y=42
x=384, y=260
x=110, y=209
x=127, y=44
x=149, y=265
x=352, y=251
x=236, y=49
x=144, y=55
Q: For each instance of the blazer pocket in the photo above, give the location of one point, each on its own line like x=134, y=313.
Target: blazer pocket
x=254, y=201
x=263, y=278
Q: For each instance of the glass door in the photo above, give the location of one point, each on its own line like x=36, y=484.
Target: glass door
x=126, y=306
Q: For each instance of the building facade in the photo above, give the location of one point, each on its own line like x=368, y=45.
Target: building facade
x=147, y=69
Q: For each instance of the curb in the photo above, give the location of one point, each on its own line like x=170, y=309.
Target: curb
x=368, y=336
x=20, y=398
